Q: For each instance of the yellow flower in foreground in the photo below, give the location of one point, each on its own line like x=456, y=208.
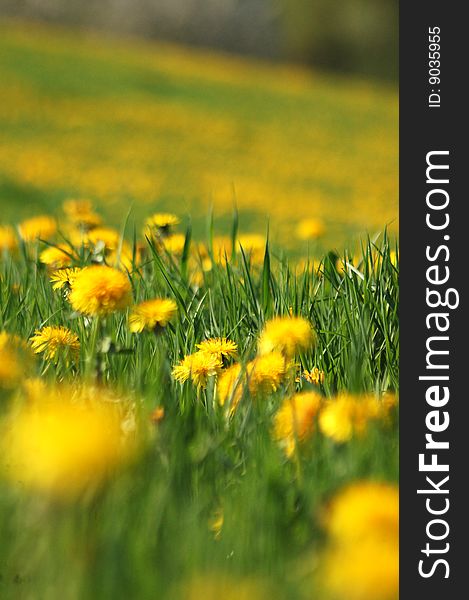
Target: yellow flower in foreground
x=63, y=448
x=288, y=335
x=295, y=420
x=219, y=346
x=346, y=415
x=198, y=367
x=310, y=229
x=43, y=227
x=55, y=342
x=100, y=290
x=152, y=315
x=63, y=278
x=362, y=510
x=8, y=240
x=361, y=561
x=56, y=256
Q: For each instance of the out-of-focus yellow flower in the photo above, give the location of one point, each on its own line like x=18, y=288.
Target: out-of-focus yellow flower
x=42, y=227
x=103, y=238
x=63, y=278
x=162, y=221
x=152, y=315
x=230, y=386
x=346, y=415
x=266, y=373
x=81, y=214
x=261, y=376
x=10, y=368
x=198, y=367
x=294, y=420
x=61, y=447
x=14, y=357
x=100, y=290
x=315, y=376
x=56, y=342
x=394, y=258
x=362, y=510
x=310, y=229
x=221, y=347
x=361, y=561
x=174, y=243
x=56, y=257
x=8, y=239
x=288, y=335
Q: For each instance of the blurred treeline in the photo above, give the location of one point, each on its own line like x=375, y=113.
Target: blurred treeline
x=355, y=36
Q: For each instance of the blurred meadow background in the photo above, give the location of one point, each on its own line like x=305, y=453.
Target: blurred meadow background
x=199, y=337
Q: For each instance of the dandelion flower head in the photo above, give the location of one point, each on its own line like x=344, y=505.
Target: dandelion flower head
x=288, y=335
x=54, y=342
x=100, y=290
x=152, y=314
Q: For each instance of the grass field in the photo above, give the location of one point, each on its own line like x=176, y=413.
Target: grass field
x=191, y=407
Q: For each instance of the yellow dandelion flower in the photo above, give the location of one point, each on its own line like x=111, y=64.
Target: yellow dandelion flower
x=54, y=342
x=348, y=415
x=310, y=229
x=57, y=257
x=365, y=571
x=81, y=214
x=315, y=376
x=174, y=244
x=103, y=238
x=63, y=278
x=152, y=315
x=295, y=420
x=100, y=290
x=362, y=558
x=198, y=367
x=162, y=221
x=63, y=448
x=363, y=509
x=8, y=239
x=10, y=368
x=219, y=346
x=288, y=335
x=266, y=373
x=230, y=386
x=42, y=227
